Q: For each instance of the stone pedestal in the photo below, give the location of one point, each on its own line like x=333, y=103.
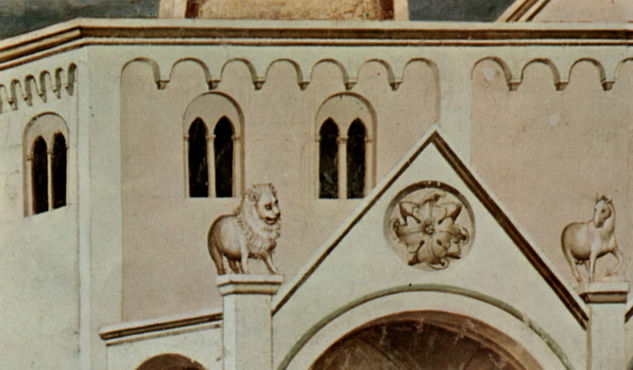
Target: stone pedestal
x=247, y=320
x=605, y=334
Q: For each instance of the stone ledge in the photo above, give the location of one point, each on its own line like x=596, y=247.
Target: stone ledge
x=604, y=292
x=248, y=284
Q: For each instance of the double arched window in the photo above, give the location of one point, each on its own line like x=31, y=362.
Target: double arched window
x=345, y=125
x=213, y=147
x=45, y=164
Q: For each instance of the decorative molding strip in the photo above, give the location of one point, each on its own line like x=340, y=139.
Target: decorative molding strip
x=517, y=314
x=45, y=86
x=349, y=80
x=82, y=32
x=560, y=81
x=157, y=325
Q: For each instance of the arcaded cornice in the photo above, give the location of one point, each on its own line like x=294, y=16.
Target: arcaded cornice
x=82, y=32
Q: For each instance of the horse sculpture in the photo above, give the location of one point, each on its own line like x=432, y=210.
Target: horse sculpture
x=585, y=242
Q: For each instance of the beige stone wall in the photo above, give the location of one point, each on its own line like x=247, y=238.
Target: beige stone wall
x=547, y=153
x=166, y=265
x=39, y=299
x=603, y=11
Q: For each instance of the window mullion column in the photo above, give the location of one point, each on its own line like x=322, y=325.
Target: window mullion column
x=342, y=167
x=211, y=164
x=237, y=165
x=29, y=206
x=369, y=165
x=49, y=168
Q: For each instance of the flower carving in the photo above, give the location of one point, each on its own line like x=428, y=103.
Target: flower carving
x=429, y=229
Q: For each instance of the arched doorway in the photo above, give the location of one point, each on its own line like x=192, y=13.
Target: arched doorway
x=170, y=361
x=425, y=340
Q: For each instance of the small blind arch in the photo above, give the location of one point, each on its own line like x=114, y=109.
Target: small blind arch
x=356, y=159
x=223, y=157
x=197, y=159
x=328, y=159
x=59, y=170
x=39, y=175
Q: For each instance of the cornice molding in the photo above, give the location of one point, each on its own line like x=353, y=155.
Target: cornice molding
x=82, y=32
x=158, y=325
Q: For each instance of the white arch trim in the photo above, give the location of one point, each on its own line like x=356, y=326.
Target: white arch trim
x=427, y=297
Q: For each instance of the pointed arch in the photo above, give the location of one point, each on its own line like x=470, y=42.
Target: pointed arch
x=224, y=125
x=328, y=159
x=45, y=143
x=349, y=112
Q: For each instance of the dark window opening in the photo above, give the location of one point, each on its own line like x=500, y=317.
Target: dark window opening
x=198, y=169
x=39, y=174
x=223, y=146
x=193, y=9
x=356, y=160
x=328, y=160
x=59, y=171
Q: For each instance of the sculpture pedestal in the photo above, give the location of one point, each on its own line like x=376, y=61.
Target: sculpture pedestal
x=605, y=334
x=247, y=320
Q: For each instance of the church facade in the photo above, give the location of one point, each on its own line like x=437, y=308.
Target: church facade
x=425, y=173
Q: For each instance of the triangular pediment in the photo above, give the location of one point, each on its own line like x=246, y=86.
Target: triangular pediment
x=431, y=224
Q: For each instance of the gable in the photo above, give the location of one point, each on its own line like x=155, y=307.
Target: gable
x=364, y=260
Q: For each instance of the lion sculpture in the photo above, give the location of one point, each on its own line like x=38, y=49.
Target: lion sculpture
x=250, y=232
x=584, y=242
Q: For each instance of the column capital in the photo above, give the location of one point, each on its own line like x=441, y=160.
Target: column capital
x=248, y=284
x=604, y=292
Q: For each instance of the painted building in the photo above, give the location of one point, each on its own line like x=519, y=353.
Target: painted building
x=424, y=171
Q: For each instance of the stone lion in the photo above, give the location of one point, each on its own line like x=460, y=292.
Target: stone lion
x=250, y=232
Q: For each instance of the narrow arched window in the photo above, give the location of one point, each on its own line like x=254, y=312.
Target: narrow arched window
x=356, y=160
x=39, y=175
x=223, y=147
x=328, y=160
x=198, y=170
x=58, y=171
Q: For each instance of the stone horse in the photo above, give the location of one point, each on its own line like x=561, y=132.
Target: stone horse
x=585, y=242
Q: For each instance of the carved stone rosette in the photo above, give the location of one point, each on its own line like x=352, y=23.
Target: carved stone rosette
x=430, y=224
